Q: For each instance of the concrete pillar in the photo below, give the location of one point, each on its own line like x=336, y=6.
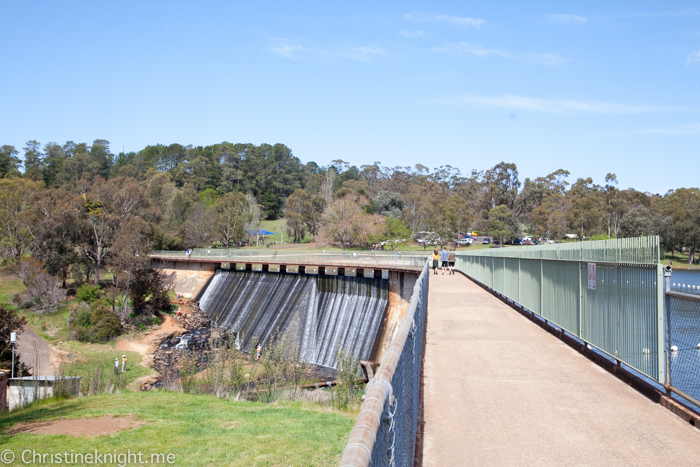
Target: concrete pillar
x=396, y=309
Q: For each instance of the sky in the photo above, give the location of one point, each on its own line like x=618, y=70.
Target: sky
x=592, y=87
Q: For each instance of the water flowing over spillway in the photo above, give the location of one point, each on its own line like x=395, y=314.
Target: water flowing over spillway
x=317, y=314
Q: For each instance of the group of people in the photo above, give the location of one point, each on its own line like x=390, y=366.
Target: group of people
x=116, y=365
x=446, y=259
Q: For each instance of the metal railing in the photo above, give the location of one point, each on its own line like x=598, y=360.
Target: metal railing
x=386, y=428
x=350, y=258
x=607, y=293
x=683, y=329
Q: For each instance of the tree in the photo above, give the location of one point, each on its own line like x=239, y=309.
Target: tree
x=128, y=254
x=255, y=211
x=393, y=232
x=639, y=221
x=389, y=204
x=346, y=223
x=149, y=291
x=232, y=213
x=683, y=207
x=9, y=162
x=16, y=197
x=313, y=213
x=101, y=156
x=54, y=155
x=294, y=211
x=11, y=322
x=33, y=161
x=198, y=226
x=328, y=184
x=56, y=221
x=43, y=293
x=110, y=205
x=209, y=197
x=586, y=211
x=502, y=223
x=79, y=168
x=502, y=185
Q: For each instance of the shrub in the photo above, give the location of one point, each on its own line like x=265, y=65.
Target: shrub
x=88, y=293
x=94, y=323
x=44, y=293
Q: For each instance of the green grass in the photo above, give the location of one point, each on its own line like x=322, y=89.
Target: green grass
x=197, y=430
x=680, y=261
x=51, y=326
x=88, y=357
x=9, y=287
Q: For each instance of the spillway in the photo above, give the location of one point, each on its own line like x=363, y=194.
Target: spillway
x=318, y=314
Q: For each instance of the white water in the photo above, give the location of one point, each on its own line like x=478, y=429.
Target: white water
x=319, y=314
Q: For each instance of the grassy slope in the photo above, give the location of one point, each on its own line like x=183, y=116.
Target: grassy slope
x=198, y=430
x=9, y=286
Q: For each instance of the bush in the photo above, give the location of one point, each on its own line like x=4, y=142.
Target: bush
x=44, y=293
x=94, y=323
x=88, y=293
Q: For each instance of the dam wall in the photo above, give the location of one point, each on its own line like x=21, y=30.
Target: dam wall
x=316, y=314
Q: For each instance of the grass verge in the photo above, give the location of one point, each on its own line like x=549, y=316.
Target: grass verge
x=197, y=430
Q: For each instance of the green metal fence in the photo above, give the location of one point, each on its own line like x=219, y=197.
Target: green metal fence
x=607, y=293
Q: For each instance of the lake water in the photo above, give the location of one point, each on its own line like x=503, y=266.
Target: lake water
x=685, y=280
x=684, y=326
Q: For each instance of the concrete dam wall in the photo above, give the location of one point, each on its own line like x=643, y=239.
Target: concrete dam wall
x=318, y=314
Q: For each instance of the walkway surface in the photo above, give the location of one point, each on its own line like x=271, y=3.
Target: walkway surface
x=501, y=391
x=36, y=352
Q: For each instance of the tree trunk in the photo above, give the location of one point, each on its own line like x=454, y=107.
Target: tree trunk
x=691, y=253
x=98, y=261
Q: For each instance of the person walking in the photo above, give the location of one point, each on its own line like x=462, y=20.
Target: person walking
x=451, y=258
x=123, y=363
x=445, y=254
x=258, y=352
x=116, y=366
x=436, y=261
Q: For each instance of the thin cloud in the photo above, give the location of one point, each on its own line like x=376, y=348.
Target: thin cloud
x=361, y=54
x=693, y=58
x=470, y=49
x=293, y=51
x=556, y=106
x=464, y=21
x=287, y=50
x=464, y=48
x=410, y=34
x=564, y=19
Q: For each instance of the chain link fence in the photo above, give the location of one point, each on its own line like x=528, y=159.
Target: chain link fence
x=684, y=342
x=386, y=428
x=396, y=440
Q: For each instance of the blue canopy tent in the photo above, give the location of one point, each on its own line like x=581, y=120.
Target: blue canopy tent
x=257, y=234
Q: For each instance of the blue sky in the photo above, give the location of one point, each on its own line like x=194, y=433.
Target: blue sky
x=591, y=87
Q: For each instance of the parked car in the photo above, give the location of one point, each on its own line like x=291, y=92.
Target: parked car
x=527, y=242
x=486, y=241
x=464, y=241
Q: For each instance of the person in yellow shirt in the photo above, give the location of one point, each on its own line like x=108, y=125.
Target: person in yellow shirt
x=436, y=261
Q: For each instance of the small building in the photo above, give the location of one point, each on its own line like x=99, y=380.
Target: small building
x=25, y=390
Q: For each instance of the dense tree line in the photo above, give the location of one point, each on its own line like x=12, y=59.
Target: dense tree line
x=79, y=208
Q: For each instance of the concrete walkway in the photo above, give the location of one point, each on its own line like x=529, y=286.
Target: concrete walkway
x=500, y=391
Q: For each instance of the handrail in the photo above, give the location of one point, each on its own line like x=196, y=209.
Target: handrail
x=367, y=259
x=358, y=452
